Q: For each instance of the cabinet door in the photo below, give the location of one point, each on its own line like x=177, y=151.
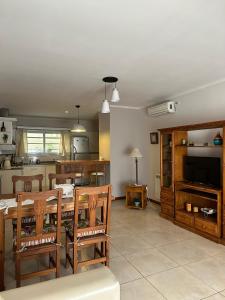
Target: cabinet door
x=6, y=181
x=35, y=170
x=49, y=169
x=166, y=160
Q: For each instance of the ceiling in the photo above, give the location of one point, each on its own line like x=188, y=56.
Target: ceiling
x=54, y=53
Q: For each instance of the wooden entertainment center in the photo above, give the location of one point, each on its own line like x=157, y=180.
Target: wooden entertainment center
x=176, y=192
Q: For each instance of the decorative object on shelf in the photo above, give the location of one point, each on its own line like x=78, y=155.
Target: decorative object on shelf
x=188, y=207
x=191, y=144
x=77, y=126
x=5, y=137
x=195, y=209
x=184, y=142
x=137, y=202
x=135, y=153
x=3, y=129
x=208, y=211
x=115, y=94
x=154, y=137
x=206, y=144
x=218, y=140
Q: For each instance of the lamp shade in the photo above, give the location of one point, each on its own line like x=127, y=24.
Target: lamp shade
x=78, y=128
x=115, y=95
x=136, y=153
x=105, y=107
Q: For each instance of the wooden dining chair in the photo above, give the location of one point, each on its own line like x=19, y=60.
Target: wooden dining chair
x=91, y=231
x=27, y=182
x=27, y=187
x=62, y=178
x=40, y=238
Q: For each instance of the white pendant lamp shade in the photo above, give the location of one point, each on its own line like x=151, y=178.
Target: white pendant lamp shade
x=77, y=126
x=115, y=95
x=105, y=107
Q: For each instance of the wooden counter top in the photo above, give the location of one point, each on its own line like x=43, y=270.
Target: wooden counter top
x=85, y=162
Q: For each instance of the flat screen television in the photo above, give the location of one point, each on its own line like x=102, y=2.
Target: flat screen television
x=203, y=170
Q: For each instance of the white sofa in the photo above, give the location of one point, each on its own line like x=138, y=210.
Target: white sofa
x=98, y=284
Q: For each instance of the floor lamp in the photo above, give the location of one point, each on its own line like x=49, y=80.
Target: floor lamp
x=135, y=153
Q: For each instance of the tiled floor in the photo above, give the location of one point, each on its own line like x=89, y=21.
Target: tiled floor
x=154, y=259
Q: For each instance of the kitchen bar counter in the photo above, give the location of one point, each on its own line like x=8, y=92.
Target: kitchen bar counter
x=85, y=167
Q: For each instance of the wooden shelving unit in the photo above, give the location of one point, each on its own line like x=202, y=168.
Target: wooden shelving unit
x=177, y=192
x=200, y=196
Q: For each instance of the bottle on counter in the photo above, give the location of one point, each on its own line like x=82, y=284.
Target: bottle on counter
x=3, y=129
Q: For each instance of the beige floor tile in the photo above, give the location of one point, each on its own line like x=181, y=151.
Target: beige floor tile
x=179, y=284
x=139, y=289
x=216, y=297
x=123, y=270
x=150, y=261
x=129, y=244
x=211, y=271
x=113, y=252
x=184, y=252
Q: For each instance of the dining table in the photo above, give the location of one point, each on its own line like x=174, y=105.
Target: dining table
x=11, y=213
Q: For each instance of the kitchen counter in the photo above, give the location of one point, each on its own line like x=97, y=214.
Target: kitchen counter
x=85, y=167
x=88, y=162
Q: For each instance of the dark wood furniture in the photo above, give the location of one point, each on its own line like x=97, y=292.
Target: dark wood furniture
x=136, y=192
x=27, y=180
x=51, y=208
x=174, y=192
x=91, y=231
x=38, y=238
x=199, y=196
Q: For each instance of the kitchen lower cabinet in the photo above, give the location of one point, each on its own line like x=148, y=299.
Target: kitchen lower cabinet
x=30, y=170
x=6, y=181
x=35, y=170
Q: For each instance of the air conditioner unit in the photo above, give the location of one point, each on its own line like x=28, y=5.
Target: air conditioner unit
x=162, y=109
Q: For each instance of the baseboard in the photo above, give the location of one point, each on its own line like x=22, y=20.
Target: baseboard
x=119, y=198
x=154, y=201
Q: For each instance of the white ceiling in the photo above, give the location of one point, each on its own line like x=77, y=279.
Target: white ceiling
x=54, y=53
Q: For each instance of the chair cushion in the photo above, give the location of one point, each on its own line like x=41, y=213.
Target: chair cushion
x=83, y=223
x=29, y=231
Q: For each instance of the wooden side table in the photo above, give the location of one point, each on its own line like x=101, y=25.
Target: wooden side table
x=136, y=196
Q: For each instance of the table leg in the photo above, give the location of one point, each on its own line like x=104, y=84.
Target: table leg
x=2, y=249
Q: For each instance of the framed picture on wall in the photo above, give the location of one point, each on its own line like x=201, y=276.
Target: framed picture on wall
x=154, y=137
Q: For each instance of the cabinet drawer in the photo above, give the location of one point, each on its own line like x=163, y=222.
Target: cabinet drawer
x=206, y=226
x=167, y=209
x=185, y=218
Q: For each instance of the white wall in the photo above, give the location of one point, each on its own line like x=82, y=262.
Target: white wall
x=201, y=106
x=128, y=129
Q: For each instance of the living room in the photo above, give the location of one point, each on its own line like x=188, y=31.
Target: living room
x=59, y=63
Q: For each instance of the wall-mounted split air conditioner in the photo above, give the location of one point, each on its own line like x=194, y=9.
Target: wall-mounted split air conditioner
x=162, y=109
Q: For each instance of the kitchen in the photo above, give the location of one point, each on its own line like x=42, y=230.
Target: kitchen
x=35, y=144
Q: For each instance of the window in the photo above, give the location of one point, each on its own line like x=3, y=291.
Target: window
x=43, y=142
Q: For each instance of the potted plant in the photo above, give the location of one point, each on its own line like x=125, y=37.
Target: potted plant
x=5, y=137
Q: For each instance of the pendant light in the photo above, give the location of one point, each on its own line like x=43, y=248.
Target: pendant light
x=115, y=95
x=105, y=104
x=77, y=126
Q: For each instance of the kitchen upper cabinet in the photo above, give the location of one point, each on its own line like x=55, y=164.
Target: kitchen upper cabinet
x=6, y=181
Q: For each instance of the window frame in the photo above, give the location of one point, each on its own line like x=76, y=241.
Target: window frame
x=43, y=132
